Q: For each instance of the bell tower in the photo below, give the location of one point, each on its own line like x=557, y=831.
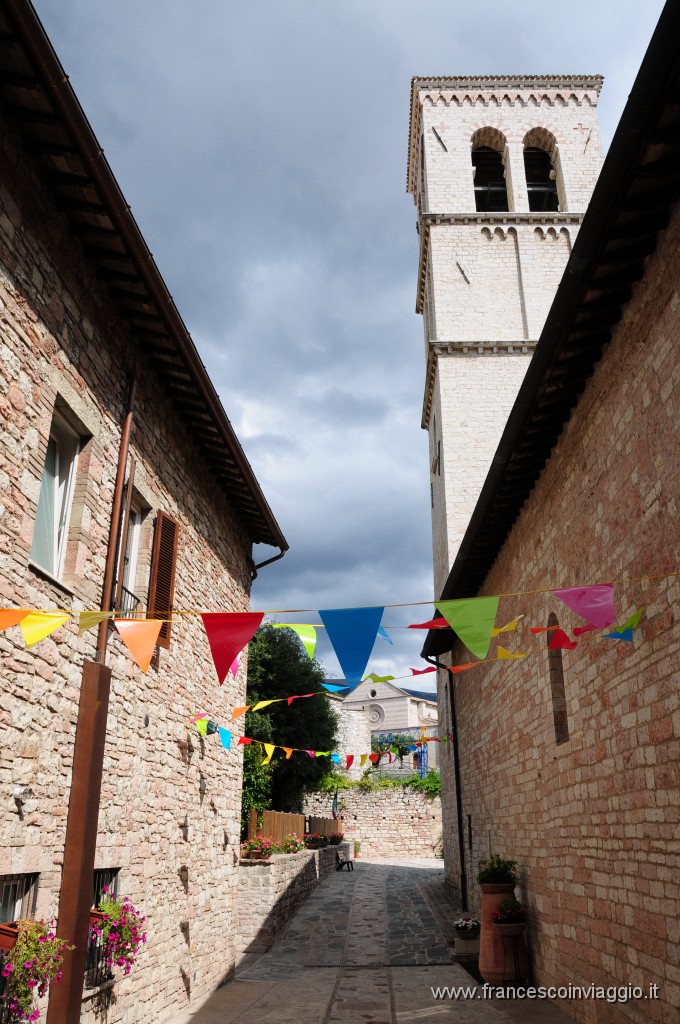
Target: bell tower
x=501, y=170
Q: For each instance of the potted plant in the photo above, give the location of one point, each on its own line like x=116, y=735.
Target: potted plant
x=467, y=928
x=259, y=848
x=336, y=838
x=30, y=967
x=120, y=926
x=357, y=849
x=315, y=841
x=497, y=877
x=9, y=933
x=510, y=917
x=291, y=844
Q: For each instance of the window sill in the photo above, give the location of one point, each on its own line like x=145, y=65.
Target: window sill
x=45, y=575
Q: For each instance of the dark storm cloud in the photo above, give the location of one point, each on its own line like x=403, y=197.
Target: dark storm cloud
x=262, y=147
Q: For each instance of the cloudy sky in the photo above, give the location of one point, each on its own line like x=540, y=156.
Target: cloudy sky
x=262, y=148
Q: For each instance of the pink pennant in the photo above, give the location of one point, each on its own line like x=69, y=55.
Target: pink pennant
x=561, y=642
x=228, y=633
x=233, y=668
x=422, y=671
x=439, y=623
x=312, y=753
x=349, y=762
x=584, y=629
x=196, y=717
x=594, y=604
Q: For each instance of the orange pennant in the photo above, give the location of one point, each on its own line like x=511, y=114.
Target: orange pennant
x=140, y=636
x=11, y=616
x=240, y=711
x=288, y=751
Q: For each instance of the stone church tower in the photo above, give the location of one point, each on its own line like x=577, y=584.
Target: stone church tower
x=501, y=170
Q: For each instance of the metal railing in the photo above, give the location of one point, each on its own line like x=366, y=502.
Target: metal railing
x=129, y=602
x=96, y=970
x=5, y=1016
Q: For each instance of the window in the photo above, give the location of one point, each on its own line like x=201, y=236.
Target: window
x=127, y=600
x=540, y=156
x=559, y=701
x=56, y=493
x=18, y=895
x=162, y=583
x=488, y=172
x=104, y=877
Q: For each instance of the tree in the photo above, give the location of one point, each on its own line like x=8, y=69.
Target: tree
x=278, y=666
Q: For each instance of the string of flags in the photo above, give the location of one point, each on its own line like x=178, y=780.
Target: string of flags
x=352, y=631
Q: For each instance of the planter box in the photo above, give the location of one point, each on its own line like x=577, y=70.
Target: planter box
x=9, y=933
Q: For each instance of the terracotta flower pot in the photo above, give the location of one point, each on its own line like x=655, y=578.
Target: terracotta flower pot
x=502, y=957
x=9, y=933
x=467, y=933
x=509, y=927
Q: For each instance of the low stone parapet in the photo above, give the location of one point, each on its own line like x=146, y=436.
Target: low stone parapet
x=270, y=892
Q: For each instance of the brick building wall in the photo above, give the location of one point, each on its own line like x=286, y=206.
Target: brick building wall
x=63, y=345
x=593, y=822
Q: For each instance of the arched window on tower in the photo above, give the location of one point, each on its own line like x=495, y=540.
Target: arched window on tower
x=491, y=192
x=540, y=152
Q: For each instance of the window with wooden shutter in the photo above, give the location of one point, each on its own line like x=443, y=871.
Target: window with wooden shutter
x=162, y=582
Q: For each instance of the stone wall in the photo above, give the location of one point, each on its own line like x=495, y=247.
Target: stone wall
x=399, y=821
x=170, y=815
x=353, y=735
x=592, y=821
x=270, y=893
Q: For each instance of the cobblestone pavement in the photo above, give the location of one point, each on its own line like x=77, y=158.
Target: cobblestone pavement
x=366, y=948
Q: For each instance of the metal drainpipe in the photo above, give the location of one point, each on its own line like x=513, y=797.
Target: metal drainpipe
x=268, y=561
x=459, y=798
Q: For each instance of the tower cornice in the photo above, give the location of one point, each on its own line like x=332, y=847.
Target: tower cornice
x=436, y=349
x=506, y=220
x=486, y=89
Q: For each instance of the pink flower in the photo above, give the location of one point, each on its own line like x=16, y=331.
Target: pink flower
x=7, y=969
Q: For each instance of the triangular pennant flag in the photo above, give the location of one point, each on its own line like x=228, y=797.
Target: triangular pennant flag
x=352, y=631
x=472, y=620
x=202, y=726
x=631, y=623
x=508, y=628
x=322, y=753
x=543, y=629
x=362, y=760
x=140, y=636
x=306, y=633
x=422, y=671
x=561, y=642
x=86, y=620
x=335, y=758
x=201, y=714
x=349, y=761
x=377, y=679
x=37, y=625
x=265, y=703
x=270, y=748
x=333, y=688
x=621, y=634
x=461, y=668
x=590, y=628
x=233, y=668
x=11, y=616
x=288, y=751
x=299, y=696
x=312, y=753
x=243, y=740
x=228, y=633
x=385, y=635
x=237, y=712
x=430, y=624
x=594, y=604
x=374, y=758
x=504, y=655
x=225, y=737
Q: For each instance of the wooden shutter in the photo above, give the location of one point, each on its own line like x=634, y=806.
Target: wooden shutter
x=162, y=582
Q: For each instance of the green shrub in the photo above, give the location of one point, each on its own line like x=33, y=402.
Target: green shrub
x=496, y=871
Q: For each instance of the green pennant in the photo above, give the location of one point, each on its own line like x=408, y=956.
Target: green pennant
x=473, y=620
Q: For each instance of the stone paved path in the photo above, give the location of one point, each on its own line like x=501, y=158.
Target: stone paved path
x=366, y=948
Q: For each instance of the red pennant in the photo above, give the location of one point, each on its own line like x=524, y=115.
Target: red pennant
x=228, y=633
x=422, y=671
x=543, y=629
x=299, y=696
x=243, y=740
x=374, y=758
x=350, y=762
x=461, y=668
x=584, y=629
x=561, y=642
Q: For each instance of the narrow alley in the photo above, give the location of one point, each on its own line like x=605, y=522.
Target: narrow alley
x=367, y=946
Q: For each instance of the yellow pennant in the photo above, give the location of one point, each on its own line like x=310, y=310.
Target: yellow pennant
x=86, y=620
x=37, y=625
x=363, y=759
x=509, y=628
x=264, y=703
x=270, y=748
x=503, y=655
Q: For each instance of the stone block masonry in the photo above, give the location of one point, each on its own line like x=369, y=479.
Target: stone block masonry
x=388, y=822
x=270, y=893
